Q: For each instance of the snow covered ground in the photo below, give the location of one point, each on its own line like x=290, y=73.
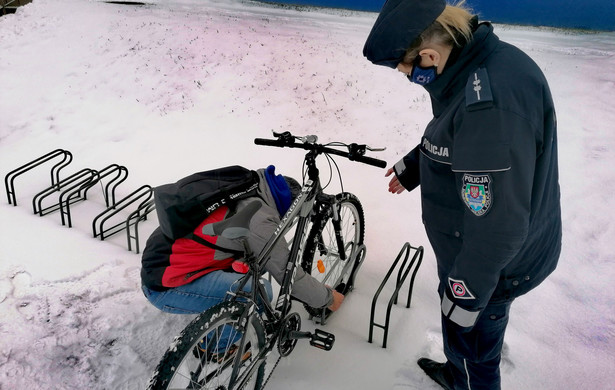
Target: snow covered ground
x=179, y=86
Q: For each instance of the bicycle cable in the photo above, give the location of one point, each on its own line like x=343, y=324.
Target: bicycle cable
x=330, y=171
x=339, y=174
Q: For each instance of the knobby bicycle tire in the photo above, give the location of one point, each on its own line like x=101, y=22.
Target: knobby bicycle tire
x=321, y=256
x=199, y=359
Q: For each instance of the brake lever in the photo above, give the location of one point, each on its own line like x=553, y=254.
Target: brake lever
x=356, y=150
x=278, y=135
x=286, y=138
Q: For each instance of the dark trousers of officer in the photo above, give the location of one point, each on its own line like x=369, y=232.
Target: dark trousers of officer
x=474, y=356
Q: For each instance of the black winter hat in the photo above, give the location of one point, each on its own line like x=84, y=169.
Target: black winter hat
x=400, y=22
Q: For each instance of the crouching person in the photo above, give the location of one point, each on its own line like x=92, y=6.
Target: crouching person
x=183, y=276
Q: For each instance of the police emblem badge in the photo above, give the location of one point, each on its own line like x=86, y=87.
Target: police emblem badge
x=476, y=193
x=459, y=289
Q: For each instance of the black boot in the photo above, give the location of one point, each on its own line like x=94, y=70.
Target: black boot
x=438, y=372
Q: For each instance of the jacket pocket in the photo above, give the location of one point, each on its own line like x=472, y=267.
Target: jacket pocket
x=443, y=220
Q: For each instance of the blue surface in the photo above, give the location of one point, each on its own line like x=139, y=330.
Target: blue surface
x=586, y=14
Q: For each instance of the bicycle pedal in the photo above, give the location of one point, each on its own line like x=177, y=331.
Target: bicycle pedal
x=322, y=340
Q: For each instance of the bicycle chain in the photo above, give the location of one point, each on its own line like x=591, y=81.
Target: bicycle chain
x=268, y=377
x=271, y=373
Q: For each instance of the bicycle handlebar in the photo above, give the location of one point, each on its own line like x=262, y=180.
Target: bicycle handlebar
x=354, y=153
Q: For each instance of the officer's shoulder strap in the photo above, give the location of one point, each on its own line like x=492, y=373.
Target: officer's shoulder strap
x=478, y=90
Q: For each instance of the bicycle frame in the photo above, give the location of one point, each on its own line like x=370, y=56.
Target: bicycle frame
x=298, y=214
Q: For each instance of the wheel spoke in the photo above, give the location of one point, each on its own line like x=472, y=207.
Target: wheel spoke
x=208, y=352
x=326, y=265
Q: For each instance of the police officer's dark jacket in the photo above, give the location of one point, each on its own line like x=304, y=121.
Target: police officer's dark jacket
x=487, y=167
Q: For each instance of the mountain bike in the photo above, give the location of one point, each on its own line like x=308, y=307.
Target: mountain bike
x=227, y=346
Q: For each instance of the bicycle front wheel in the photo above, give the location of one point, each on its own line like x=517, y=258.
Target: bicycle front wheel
x=213, y=350
x=322, y=258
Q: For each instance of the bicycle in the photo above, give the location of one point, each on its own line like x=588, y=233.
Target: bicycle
x=226, y=347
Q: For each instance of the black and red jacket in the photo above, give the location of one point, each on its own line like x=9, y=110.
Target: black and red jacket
x=168, y=263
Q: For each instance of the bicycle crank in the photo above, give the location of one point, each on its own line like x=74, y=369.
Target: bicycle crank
x=286, y=343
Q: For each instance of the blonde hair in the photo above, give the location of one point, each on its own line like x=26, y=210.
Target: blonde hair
x=451, y=28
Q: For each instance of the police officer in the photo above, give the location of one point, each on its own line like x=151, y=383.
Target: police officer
x=487, y=169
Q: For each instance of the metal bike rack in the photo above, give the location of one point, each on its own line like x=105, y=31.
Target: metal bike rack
x=143, y=194
x=402, y=274
x=357, y=253
x=80, y=192
x=73, y=190
x=134, y=218
x=9, y=179
x=121, y=174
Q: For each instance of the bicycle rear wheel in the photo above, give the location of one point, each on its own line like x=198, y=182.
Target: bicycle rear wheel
x=321, y=257
x=202, y=356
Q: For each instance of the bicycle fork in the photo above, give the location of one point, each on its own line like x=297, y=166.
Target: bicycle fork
x=337, y=228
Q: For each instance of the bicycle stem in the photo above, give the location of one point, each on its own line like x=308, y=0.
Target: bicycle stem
x=310, y=161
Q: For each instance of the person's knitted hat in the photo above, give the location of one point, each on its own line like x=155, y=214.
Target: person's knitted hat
x=279, y=189
x=399, y=23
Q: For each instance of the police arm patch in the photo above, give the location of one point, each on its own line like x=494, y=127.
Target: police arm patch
x=476, y=193
x=459, y=289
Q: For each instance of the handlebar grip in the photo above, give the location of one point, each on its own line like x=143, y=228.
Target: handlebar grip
x=372, y=161
x=268, y=142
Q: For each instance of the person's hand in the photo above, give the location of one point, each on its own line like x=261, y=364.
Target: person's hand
x=337, y=301
x=395, y=186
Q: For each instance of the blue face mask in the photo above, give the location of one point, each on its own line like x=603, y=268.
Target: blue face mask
x=422, y=76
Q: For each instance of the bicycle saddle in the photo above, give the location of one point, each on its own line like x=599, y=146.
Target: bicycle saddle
x=237, y=226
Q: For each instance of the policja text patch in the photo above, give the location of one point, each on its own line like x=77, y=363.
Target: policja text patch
x=476, y=193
